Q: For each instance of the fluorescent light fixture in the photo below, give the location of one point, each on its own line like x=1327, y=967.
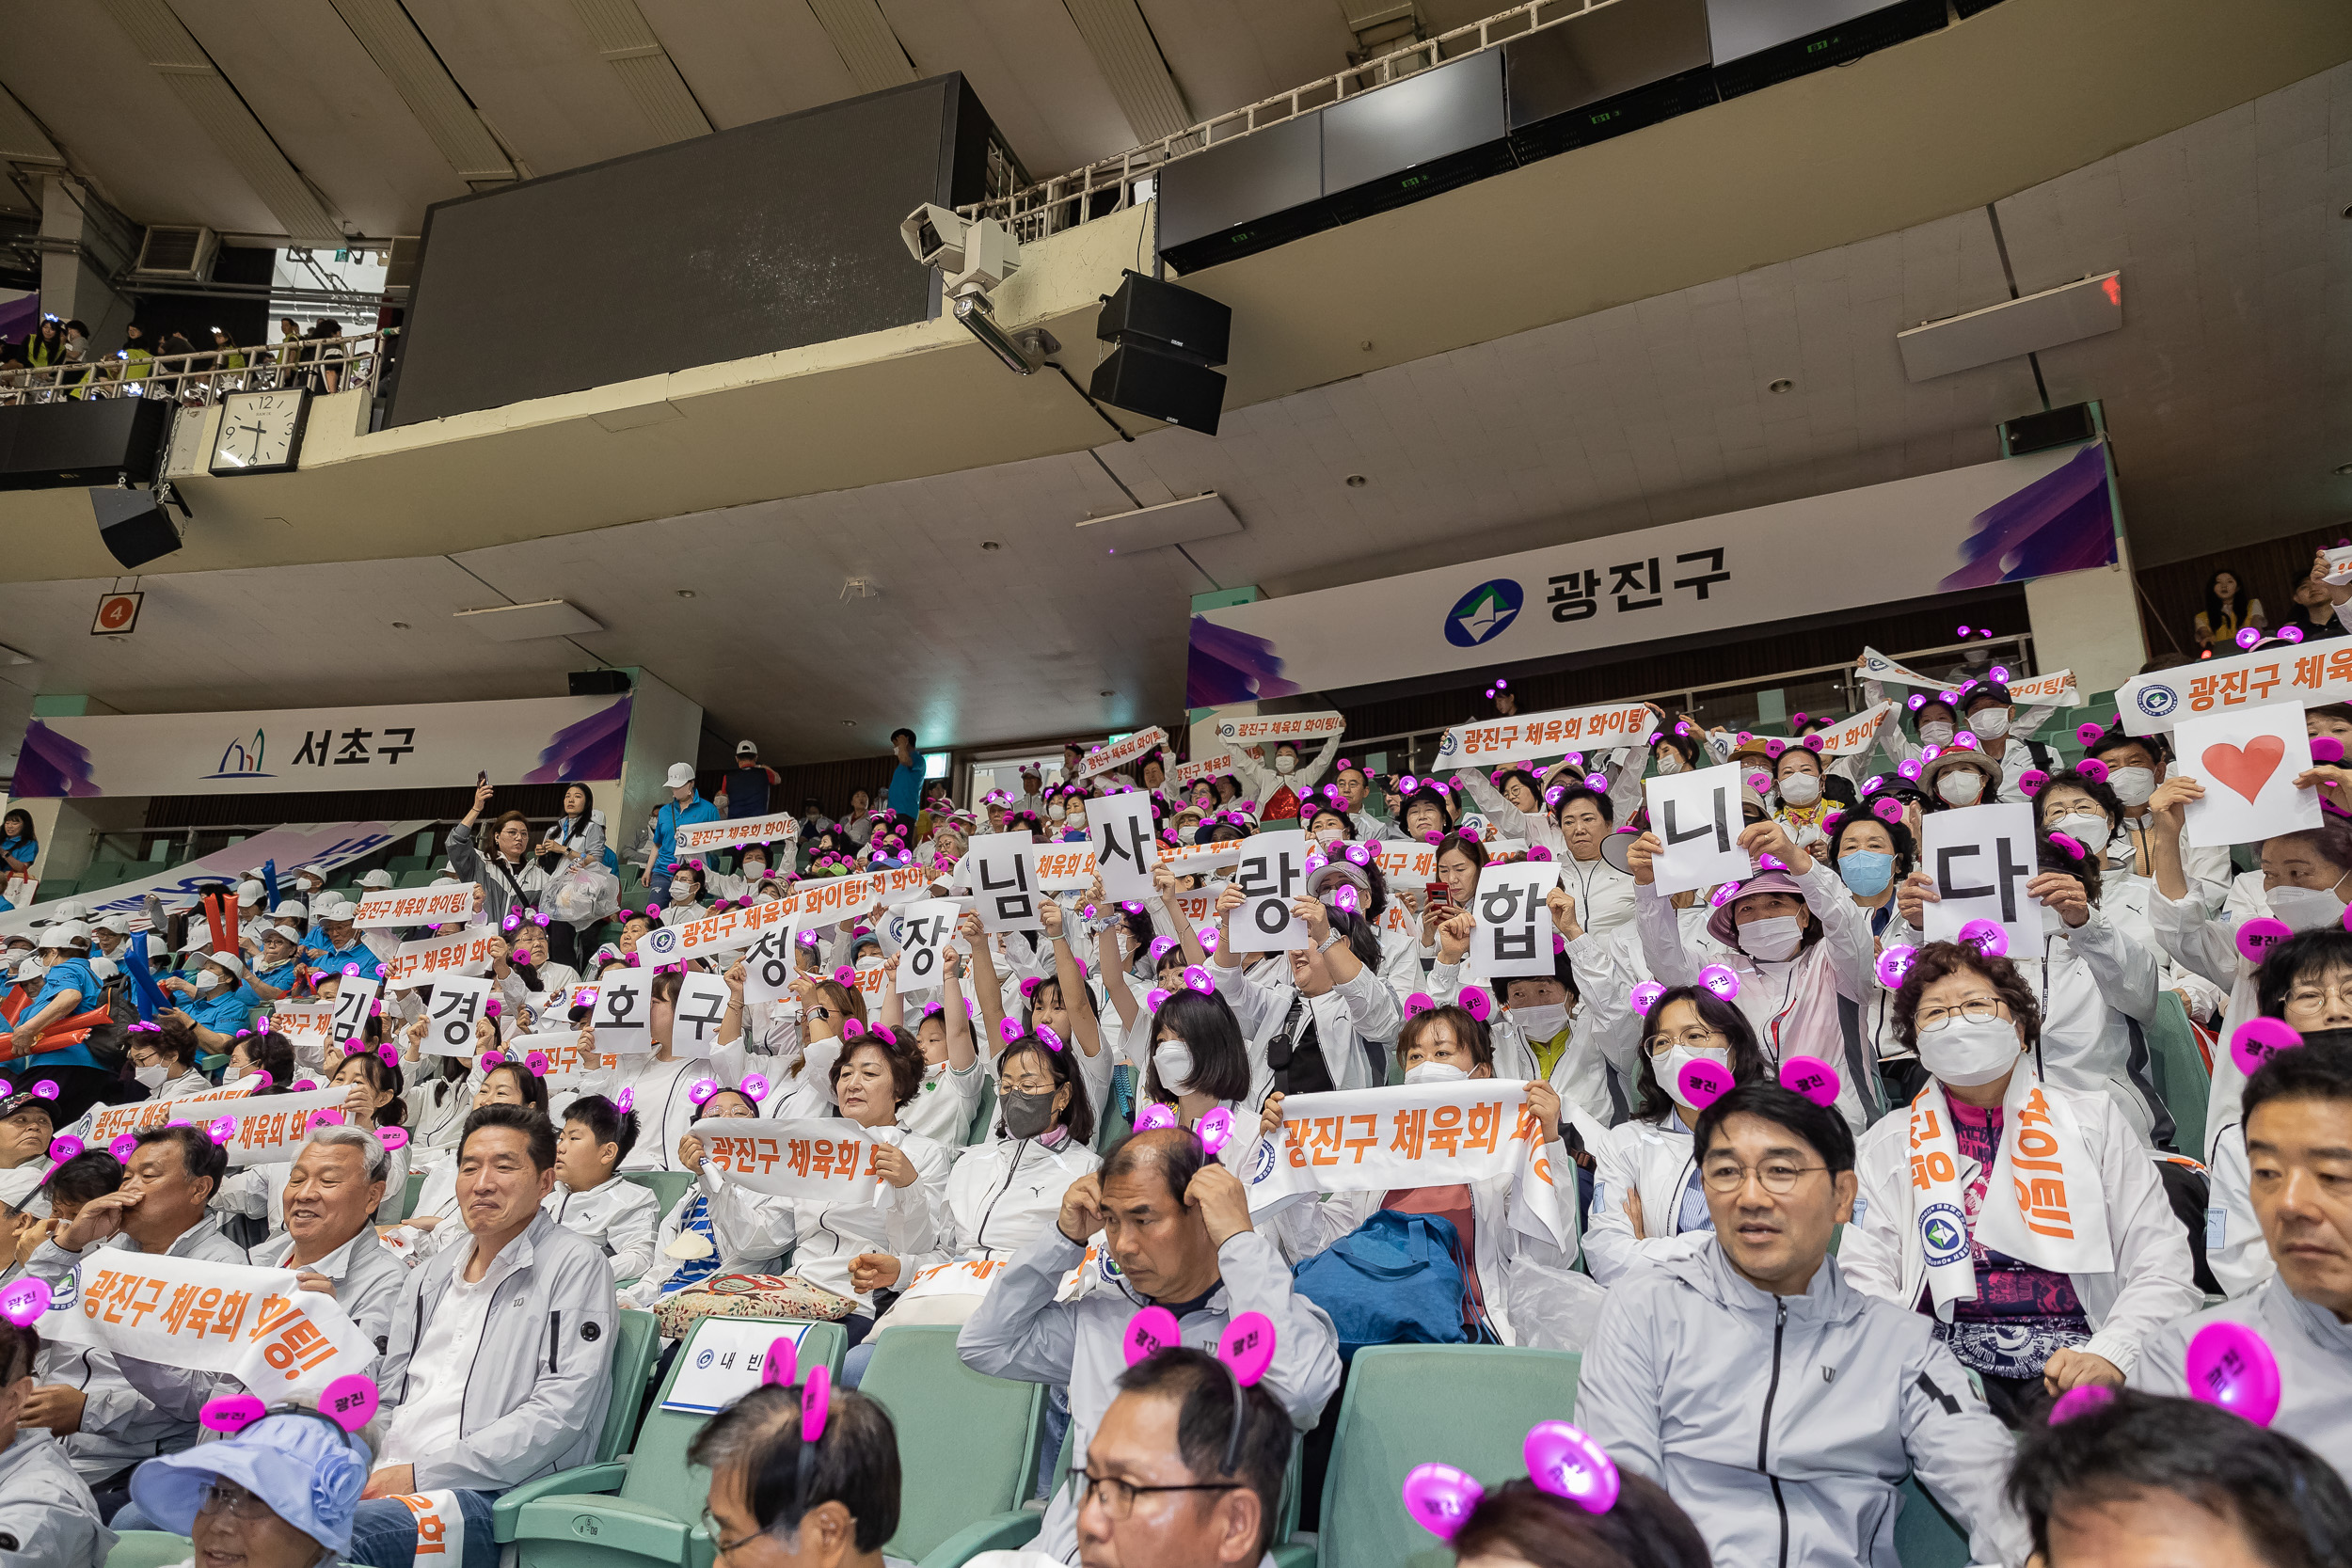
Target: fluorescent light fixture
x=2068, y=313
x=1180, y=522
x=521, y=623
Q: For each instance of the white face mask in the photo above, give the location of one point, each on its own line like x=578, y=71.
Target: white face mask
x=681, y=889
x=1435, y=1072
x=1668, y=1067
x=1774, y=938
x=1328, y=836
x=1540, y=1024
x=1965, y=1053
x=1056, y=811
x=1173, y=1059
x=152, y=1076
x=1799, y=789
x=1287, y=764
x=1961, y=787
x=2085, y=828
x=2133, y=786
x=1669, y=761
x=1990, y=723
x=2305, y=909
x=1935, y=733
x=1074, y=819
x=208, y=981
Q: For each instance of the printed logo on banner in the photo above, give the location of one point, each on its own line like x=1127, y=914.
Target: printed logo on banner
x=1942, y=1234
x=2158, y=700
x=1484, y=614
x=240, y=761
x=1262, y=1160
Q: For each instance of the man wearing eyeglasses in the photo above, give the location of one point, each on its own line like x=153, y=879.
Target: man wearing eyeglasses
x=1776, y=1402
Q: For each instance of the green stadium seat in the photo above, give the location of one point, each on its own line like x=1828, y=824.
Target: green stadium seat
x=636, y=1346
x=150, y=1548
x=642, y=1508
x=983, y=1110
x=399, y=863
x=58, y=887
x=972, y=1440
x=1390, y=1422
x=667, y=1187
x=1925, y=1535
x=423, y=877
x=408, y=1198
x=2177, y=1063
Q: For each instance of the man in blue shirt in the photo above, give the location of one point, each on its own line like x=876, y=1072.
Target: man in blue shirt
x=343, y=945
x=684, y=808
x=274, y=975
x=69, y=986
x=906, y=784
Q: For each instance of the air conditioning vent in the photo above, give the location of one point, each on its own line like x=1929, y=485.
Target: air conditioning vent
x=178, y=253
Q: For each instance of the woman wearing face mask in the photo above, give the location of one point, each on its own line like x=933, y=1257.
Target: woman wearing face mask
x=1798, y=777
x=1796, y=941
x=2038, y=1283
x=1400, y=963
x=1199, y=1064
x=1329, y=826
x=1521, y=1285
x=164, y=1059
x=1872, y=857
x=687, y=881
x=1648, y=1204
x=1308, y=1029
x=510, y=878
x=1961, y=776
x=1278, y=782
x=661, y=1082
x=1058, y=999
x=1514, y=802
x=999, y=1197
x=2087, y=811
x=942, y=1108
x=2136, y=764
x=2091, y=984
x=215, y=1004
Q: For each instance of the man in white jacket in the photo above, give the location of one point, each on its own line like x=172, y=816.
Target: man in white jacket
x=1175, y=1232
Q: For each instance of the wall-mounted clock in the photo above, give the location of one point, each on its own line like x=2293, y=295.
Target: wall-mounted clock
x=261, y=432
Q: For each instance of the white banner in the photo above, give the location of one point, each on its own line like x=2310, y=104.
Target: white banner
x=327, y=844
x=1272, y=872
x=2057, y=688
x=923, y=934
x=1119, y=828
x=1514, y=931
x=2311, y=674
x=771, y=828
x=1122, y=752
x=103, y=1124
x=1186, y=773
x=408, y=746
x=1877, y=667
x=1546, y=734
x=1696, y=818
x=250, y=1323
x=455, y=1007
x=567, y=1063
x=1429, y=1135
x=829, y=1160
x=1273, y=729
x=1193, y=860
x=421, y=964
x=1003, y=881
x=1981, y=858
x=1855, y=735
x=1062, y=867
x=728, y=931
x=965, y=1277
x=306, y=1024
x=393, y=906
x=272, y=1128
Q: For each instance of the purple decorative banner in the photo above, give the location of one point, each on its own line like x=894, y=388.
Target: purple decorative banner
x=585, y=752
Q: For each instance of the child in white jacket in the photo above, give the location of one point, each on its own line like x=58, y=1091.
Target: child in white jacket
x=590, y=1199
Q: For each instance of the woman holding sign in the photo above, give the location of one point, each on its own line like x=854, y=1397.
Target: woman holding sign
x=715, y=1228
x=942, y=1108
x=2026, y=1218
x=1308, y=1029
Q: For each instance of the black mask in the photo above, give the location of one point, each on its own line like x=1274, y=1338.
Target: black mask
x=1026, y=1114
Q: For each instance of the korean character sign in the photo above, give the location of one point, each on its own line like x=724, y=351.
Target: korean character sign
x=2247, y=759
x=1981, y=858
x=1603, y=727
x=456, y=1004
x=702, y=1005
x=418, y=906
x=923, y=933
x=768, y=968
x=355, y=1004
x=1513, y=934
x=1697, y=820
x=1125, y=848
x=1003, y=882
x=1271, y=872
x=624, y=1001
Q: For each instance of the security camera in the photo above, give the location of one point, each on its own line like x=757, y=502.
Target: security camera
x=973, y=255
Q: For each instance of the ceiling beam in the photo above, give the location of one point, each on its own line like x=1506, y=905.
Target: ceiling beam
x=627, y=42
x=400, y=50
x=212, y=101
x=22, y=139
x=862, y=37
x=1129, y=57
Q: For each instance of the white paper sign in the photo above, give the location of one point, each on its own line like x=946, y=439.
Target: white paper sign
x=1876, y=666
x=700, y=837
x=768, y=968
x=2247, y=759
x=393, y=906
x=1062, y=867
x=1186, y=773
x=1981, y=858
x=1514, y=933
x=624, y=1001
x=2057, y=688
x=306, y=1024
x=724, y=1361
x=568, y=1064
x=272, y=1128
x=1003, y=882
x=1119, y=827
x=923, y=932
x=1546, y=734
x=702, y=1004
x=422, y=963
x=1272, y=872
x=828, y=1160
x=1696, y=817
x=456, y=1004
x=355, y=1001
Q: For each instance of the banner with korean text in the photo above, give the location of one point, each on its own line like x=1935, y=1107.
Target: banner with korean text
x=2311, y=674
x=437, y=906
x=467, y=952
x=827, y=1160
x=1424, y=1136
x=1119, y=752
x=1274, y=728
x=250, y=1323
x=2011, y=520
x=1546, y=734
x=775, y=828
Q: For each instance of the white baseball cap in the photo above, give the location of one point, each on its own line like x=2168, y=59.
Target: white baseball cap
x=73, y=909
x=745, y=749
x=681, y=774
x=292, y=933
x=318, y=871
x=58, y=934
x=228, y=961
x=343, y=910
x=291, y=908
x=376, y=879
x=119, y=924
x=248, y=892
x=30, y=969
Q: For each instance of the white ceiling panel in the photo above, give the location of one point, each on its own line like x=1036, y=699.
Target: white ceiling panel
x=1029, y=66
x=750, y=59
x=533, y=71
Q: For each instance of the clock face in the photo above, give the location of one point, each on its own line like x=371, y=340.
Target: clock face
x=258, y=432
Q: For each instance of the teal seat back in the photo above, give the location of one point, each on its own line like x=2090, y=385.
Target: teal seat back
x=1118, y=1109
x=667, y=1187
x=1925, y=1535
x=983, y=1112
x=966, y=1443
x=636, y=1341
x=2177, y=1063
x=414, y=1186
x=659, y=1474
x=1467, y=1405
x=150, y=1548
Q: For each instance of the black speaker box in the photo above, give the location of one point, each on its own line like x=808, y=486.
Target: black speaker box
x=134, y=525
x=44, y=445
x=1160, y=386
x=598, y=683
x=1163, y=316
x=2070, y=426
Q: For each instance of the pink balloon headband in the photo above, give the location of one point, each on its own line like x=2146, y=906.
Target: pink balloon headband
x=348, y=1402
x=1561, y=1460
x=1214, y=1130
x=1245, y=1349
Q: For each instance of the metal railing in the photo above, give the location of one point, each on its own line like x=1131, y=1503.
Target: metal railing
x=1065, y=201
x=321, y=364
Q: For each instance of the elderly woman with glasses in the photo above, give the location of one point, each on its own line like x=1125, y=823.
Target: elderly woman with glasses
x=280, y=1494
x=2026, y=1218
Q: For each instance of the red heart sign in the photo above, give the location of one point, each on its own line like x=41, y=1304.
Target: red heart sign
x=2247, y=770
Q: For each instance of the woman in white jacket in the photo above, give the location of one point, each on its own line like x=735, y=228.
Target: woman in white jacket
x=2026, y=1218
x=1333, y=989
x=1511, y=1271
x=1648, y=1203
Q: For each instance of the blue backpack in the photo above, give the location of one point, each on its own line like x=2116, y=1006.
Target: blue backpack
x=1394, y=1279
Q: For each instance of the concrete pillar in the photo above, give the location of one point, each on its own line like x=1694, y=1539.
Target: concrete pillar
x=83, y=243
x=2089, y=622
x=664, y=728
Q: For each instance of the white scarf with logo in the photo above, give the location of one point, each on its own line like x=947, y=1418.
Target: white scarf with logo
x=2043, y=1202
